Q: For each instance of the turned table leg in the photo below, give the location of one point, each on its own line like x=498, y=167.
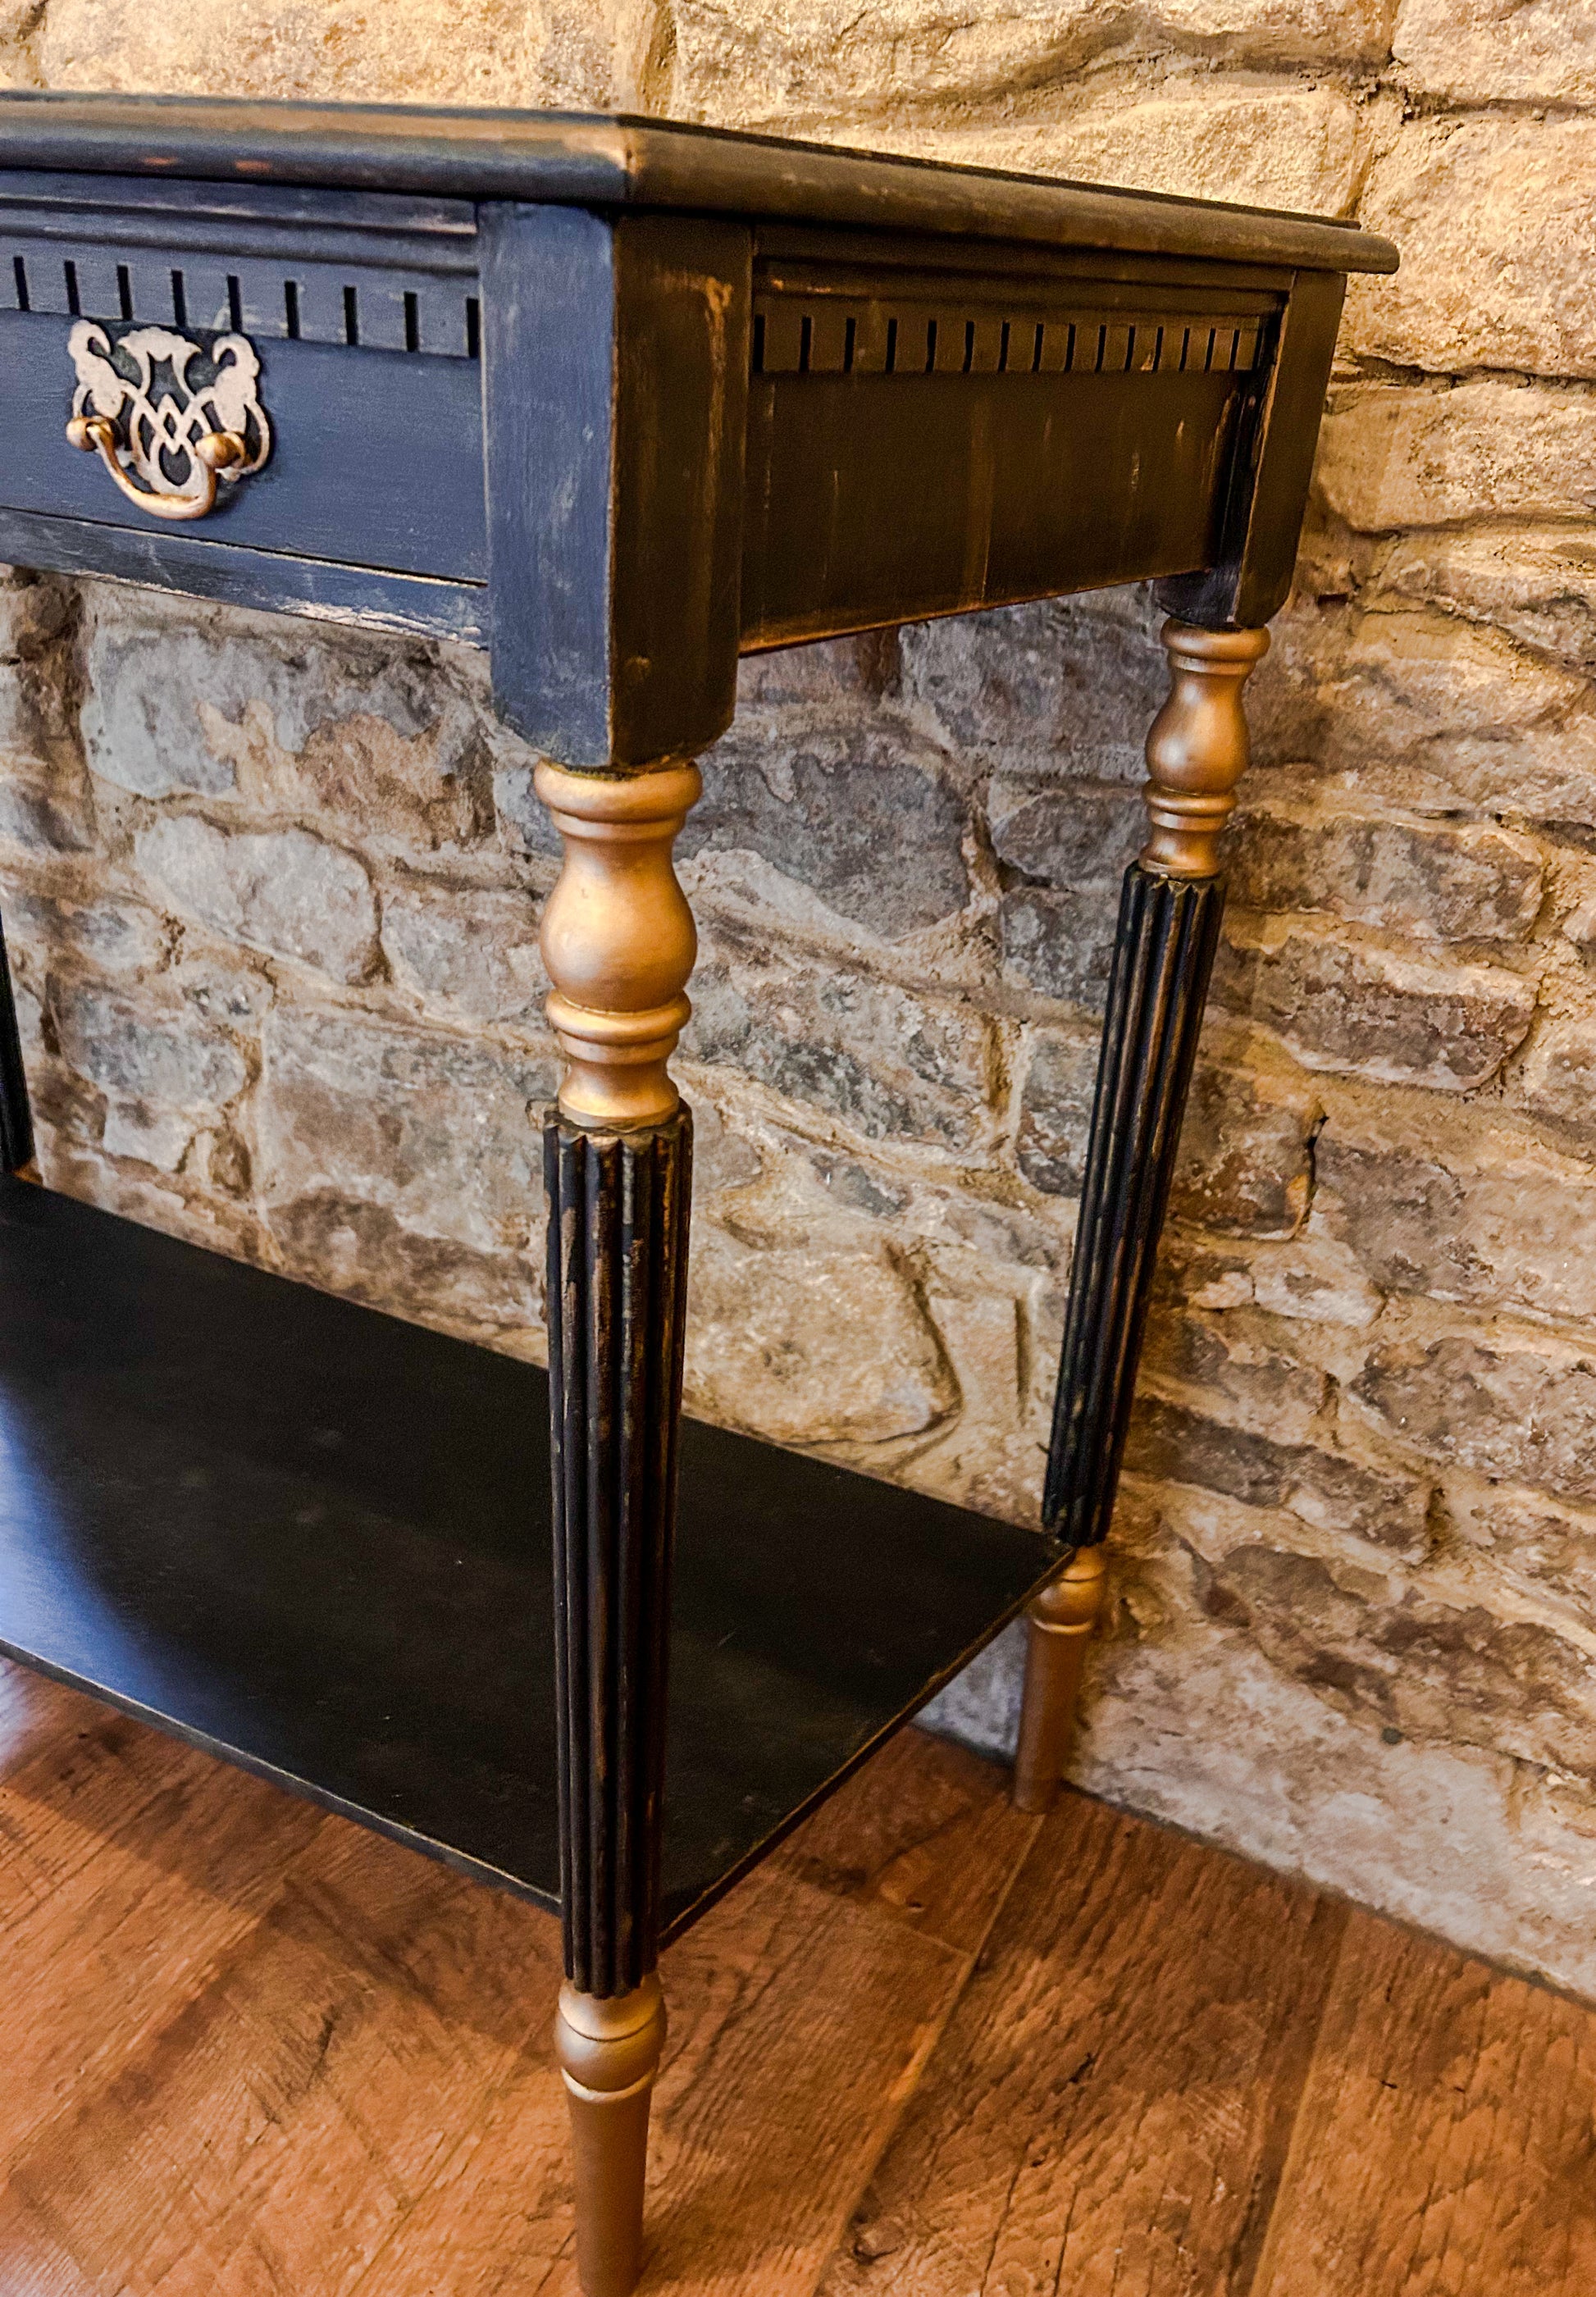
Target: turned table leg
x=16, y=1117
x=619, y=945
x=1170, y=910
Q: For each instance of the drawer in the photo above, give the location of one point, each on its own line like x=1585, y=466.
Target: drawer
x=358, y=384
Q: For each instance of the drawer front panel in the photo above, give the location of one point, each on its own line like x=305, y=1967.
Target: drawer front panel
x=368, y=377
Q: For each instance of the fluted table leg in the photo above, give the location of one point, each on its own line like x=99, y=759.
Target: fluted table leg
x=16, y=1117
x=1170, y=909
x=619, y=943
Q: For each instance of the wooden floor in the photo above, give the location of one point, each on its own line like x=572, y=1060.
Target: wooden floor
x=932, y=2049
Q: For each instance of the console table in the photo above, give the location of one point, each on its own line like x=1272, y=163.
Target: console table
x=617, y=401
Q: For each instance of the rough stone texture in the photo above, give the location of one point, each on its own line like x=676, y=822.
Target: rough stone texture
x=273, y=890
x=394, y=1158
x=1374, y=1012
x=1497, y=51
x=1493, y=215
x=1437, y=881
x=1390, y=457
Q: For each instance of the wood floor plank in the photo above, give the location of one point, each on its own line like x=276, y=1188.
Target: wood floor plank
x=354, y=2090
x=924, y=1834
x=270, y=2135
x=1446, y=2144
x=130, y=1866
x=802, y=2009
x=1110, y=2106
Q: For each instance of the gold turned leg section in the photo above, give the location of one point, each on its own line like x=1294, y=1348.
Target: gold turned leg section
x=1197, y=747
x=609, y=2055
x=618, y=940
x=1058, y=1627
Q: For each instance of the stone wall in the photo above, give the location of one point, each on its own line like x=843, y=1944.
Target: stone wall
x=273, y=895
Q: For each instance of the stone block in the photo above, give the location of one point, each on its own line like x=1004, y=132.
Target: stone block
x=1392, y=456
x=1169, y=1443
x=1520, y=1545
x=1266, y=144
x=1441, y=881
x=405, y=1166
x=471, y=952
x=1059, y=942
x=1245, y=1164
x=829, y=678
x=109, y=937
x=1432, y=711
x=480, y=51
x=1496, y=51
x=810, y=1347
x=868, y=820
x=1065, y=833
x=1538, y=586
x=286, y=716
x=161, y=1067
x=36, y=610
x=1063, y=846
x=1519, y=1408
x=738, y=65
x=281, y=890
x=1361, y=1010
x=1068, y=685
x=883, y=1060
x=1475, y=1216
x=1311, y=1278
x=1556, y=1080
x=34, y=819
x=1495, y=216
x=1238, y=1357
x=1056, y=1109
x=1418, y=1665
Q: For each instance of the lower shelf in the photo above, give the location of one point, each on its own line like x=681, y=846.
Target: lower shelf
x=316, y=1541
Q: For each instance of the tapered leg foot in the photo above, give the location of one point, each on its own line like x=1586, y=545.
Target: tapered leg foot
x=609, y=2054
x=1058, y=1627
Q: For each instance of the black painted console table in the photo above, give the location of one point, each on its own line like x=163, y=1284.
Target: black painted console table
x=618, y=401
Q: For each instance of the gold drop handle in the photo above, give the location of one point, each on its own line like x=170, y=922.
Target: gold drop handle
x=217, y=450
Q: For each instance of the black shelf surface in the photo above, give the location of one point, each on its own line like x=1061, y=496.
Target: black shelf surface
x=315, y=1540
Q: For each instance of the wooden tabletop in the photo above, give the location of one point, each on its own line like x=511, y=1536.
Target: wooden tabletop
x=597, y=160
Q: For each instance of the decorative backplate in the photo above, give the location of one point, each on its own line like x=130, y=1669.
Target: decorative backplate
x=165, y=395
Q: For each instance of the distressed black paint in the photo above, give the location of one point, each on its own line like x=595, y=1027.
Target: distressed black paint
x=1168, y=932
x=619, y=1210
x=16, y=1116
x=615, y=375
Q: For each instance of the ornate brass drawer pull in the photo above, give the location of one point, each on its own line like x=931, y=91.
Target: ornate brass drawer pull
x=168, y=436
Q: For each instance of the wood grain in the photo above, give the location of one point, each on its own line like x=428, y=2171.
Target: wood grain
x=925, y=1834
x=254, y=2052
x=128, y=1867
x=801, y=2014
x=1113, y=2099
x=1447, y=2138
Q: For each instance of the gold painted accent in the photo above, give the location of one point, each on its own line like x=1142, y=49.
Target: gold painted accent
x=1197, y=747
x=216, y=451
x=609, y=2052
x=1058, y=1626
x=30, y=1173
x=617, y=940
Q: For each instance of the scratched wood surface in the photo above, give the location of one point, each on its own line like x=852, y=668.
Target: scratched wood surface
x=931, y=2049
